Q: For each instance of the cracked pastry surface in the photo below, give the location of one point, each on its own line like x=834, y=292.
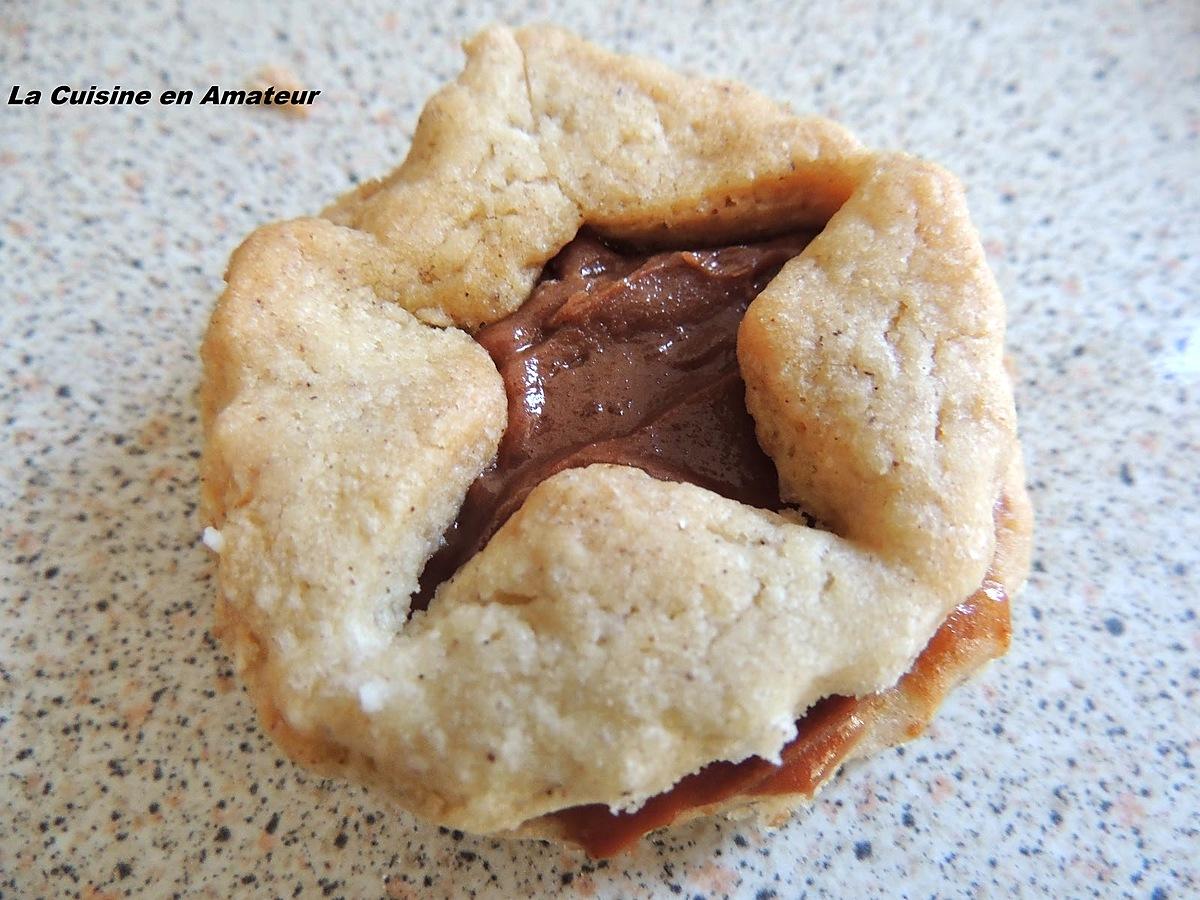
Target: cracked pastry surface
x=618, y=632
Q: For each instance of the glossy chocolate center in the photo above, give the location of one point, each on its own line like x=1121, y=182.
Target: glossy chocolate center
x=623, y=358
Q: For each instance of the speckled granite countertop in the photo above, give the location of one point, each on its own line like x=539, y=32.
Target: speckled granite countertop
x=131, y=760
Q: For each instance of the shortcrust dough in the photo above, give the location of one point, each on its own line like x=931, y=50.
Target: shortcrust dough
x=618, y=632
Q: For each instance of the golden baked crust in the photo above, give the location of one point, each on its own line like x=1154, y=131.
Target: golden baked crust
x=899, y=713
x=618, y=632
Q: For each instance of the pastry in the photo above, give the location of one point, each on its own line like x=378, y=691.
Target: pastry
x=635, y=451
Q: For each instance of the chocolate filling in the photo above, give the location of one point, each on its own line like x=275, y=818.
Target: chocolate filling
x=623, y=358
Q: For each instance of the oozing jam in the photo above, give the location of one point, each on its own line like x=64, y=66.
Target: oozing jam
x=630, y=358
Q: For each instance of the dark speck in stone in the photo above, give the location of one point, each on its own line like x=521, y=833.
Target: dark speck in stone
x=340, y=840
x=862, y=850
x=64, y=391
x=124, y=869
x=52, y=572
x=1126, y=476
x=1114, y=626
x=223, y=834
x=567, y=878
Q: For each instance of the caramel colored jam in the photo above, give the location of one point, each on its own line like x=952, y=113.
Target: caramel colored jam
x=623, y=358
